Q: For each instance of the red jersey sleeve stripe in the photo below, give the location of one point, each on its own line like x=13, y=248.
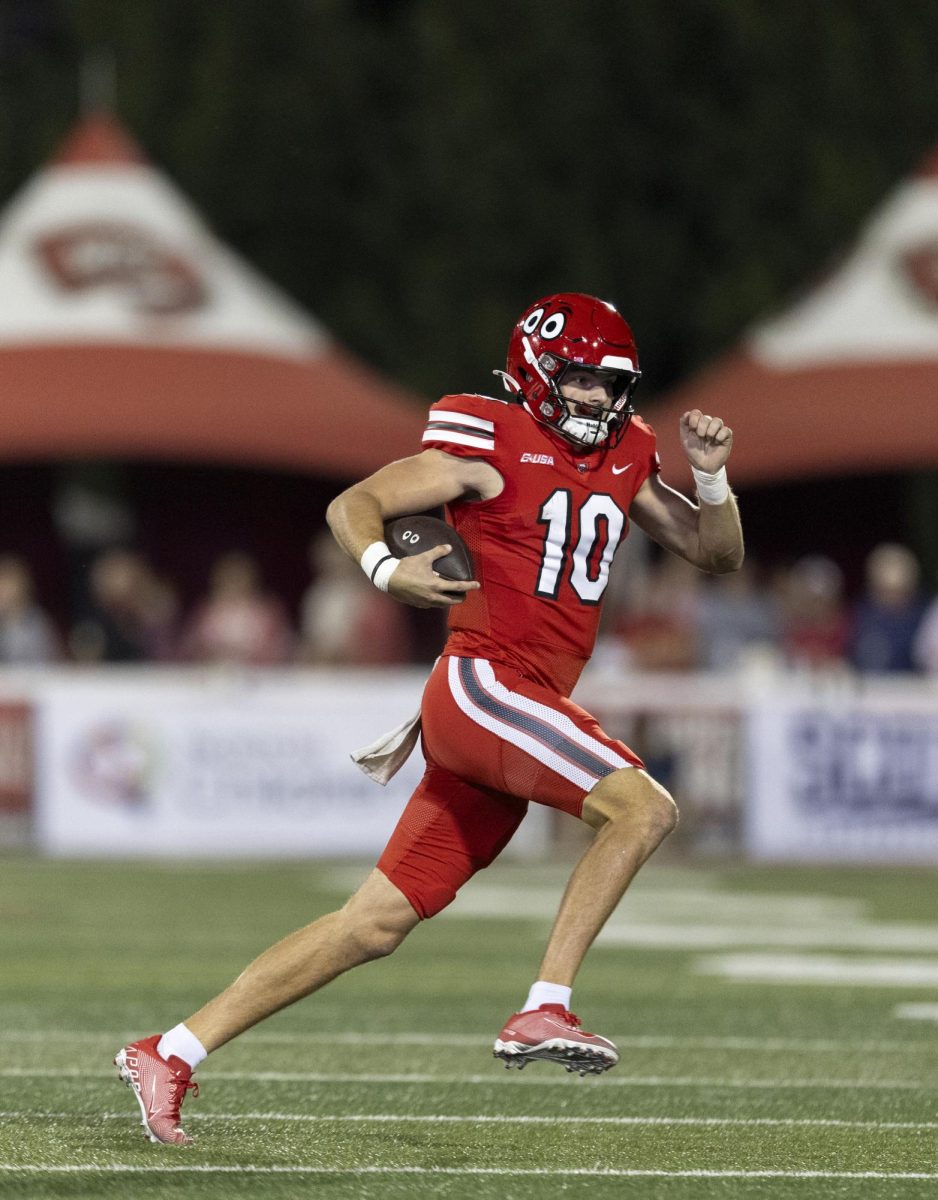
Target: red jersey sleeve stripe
x=459, y=429
x=458, y=438
x=462, y=418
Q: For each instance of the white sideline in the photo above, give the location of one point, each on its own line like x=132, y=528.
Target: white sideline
x=436, y=1118
x=496, y=1079
x=542, y=1172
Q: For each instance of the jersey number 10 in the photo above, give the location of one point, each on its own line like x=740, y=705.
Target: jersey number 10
x=601, y=522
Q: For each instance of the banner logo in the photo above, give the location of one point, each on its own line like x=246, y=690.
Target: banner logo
x=113, y=764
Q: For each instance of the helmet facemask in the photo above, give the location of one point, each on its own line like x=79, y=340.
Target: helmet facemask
x=602, y=431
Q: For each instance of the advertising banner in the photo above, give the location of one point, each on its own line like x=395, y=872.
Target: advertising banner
x=852, y=781
x=242, y=766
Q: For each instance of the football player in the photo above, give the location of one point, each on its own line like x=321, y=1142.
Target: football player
x=541, y=486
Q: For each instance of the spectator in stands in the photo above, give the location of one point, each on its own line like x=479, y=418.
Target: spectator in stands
x=27, y=635
x=815, y=622
x=238, y=622
x=159, y=616
x=658, y=626
x=925, y=646
x=736, y=621
x=114, y=630
x=889, y=613
x=343, y=619
x=92, y=516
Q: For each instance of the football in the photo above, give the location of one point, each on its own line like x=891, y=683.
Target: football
x=415, y=535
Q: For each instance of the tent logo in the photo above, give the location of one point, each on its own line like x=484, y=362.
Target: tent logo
x=96, y=254
x=920, y=267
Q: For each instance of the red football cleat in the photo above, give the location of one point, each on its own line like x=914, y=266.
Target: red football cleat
x=160, y=1086
x=553, y=1034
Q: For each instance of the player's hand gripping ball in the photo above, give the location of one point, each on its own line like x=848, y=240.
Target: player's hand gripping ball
x=406, y=536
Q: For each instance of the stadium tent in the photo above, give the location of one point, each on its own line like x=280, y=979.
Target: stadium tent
x=846, y=380
x=127, y=330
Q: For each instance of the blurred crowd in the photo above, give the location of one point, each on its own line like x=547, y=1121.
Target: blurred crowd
x=126, y=612
x=797, y=617
x=663, y=615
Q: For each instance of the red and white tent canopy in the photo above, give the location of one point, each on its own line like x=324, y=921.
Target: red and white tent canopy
x=845, y=381
x=127, y=330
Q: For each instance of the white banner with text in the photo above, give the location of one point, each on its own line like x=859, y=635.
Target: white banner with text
x=244, y=766
x=855, y=780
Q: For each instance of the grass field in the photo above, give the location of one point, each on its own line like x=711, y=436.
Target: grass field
x=778, y=1030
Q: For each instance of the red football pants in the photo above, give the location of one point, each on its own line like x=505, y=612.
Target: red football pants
x=493, y=741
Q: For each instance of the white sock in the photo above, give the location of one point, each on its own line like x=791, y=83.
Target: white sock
x=182, y=1042
x=547, y=993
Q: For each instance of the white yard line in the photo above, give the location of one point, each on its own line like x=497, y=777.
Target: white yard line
x=649, y=906
x=817, y=969
x=880, y=936
x=345, y=1038
x=638, y=1042
x=916, y=1012
x=507, y=1119
x=496, y=1078
x=503, y=1172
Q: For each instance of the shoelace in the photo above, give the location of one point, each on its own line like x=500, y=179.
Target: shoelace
x=574, y=1022
x=179, y=1088
x=564, y=1014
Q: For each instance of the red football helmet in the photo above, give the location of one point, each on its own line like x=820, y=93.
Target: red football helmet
x=573, y=330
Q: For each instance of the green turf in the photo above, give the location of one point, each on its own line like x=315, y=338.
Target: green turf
x=716, y=1076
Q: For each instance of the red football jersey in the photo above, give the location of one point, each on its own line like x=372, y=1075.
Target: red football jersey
x=543, y=547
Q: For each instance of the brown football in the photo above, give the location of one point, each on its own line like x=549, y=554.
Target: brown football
x=415, y=535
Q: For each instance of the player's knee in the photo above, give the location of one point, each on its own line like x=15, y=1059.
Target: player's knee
x=656, y=810
x=632, y=794
x=662, y=811
x=374, y=936
x=376, y=918
x=379, y=941
x=377, y=928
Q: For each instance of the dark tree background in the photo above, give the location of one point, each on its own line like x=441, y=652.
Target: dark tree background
x=416, y=172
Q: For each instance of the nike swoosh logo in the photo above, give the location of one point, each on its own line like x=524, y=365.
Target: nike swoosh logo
x=154, y=1112
x=619, y=470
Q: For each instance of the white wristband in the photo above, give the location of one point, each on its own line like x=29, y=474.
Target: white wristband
x=711, y=489
x=379, y=564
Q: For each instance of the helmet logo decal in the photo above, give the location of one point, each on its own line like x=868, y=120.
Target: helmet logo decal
x=532, y=320
x=552, y=327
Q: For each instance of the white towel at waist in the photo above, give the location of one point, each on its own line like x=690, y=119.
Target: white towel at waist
x=382, y=759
